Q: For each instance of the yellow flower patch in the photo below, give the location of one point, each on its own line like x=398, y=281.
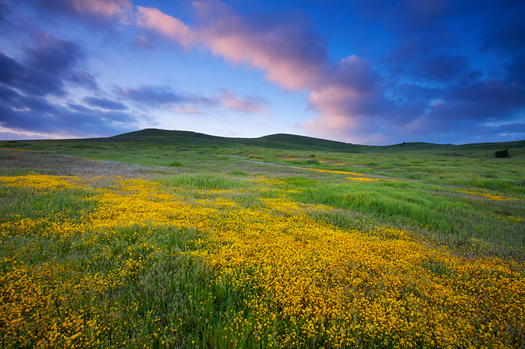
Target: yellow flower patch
x=487, y=195
x=336, y=172
x=362, y=179
x=305, y=278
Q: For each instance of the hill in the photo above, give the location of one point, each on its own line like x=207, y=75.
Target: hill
x=276, y=141
x=167, y=139
x=295, y=142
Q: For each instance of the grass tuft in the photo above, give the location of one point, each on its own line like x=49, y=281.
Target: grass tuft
x=204, y=181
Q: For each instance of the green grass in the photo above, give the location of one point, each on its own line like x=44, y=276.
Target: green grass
x=427, y=193
x=411, y=204
x=424, y=192
x=203, y=181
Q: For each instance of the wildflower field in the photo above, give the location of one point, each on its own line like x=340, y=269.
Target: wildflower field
x=218, y=251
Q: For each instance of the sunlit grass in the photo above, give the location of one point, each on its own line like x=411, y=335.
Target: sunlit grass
x=222, y=246
x=140, y=263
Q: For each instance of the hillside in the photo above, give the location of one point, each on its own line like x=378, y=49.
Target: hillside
x=277, y=141
x=181, y=140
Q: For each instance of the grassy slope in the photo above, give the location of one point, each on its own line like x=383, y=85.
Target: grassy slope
x=455, y=192
x=165, y=296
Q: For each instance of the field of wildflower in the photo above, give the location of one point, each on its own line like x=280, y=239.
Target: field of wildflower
x=248, y=259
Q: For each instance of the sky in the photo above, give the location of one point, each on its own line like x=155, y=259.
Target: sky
x=358, y=71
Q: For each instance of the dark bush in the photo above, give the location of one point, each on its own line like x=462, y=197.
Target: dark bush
x=502, y=153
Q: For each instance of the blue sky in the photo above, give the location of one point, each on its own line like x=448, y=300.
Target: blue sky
x=368, y=72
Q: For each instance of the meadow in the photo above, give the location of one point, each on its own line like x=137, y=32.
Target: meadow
x=161, y=239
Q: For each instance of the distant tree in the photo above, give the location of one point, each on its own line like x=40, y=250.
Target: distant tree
x=502, y=153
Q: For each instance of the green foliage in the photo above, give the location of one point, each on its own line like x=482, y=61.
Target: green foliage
x=416, y=205
x=502, y=153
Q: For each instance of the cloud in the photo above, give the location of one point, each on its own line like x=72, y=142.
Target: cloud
x=47, y=68
x=160, y=96
x=480, y=102
x=506, y=27
x=104, y=103
x=188, y=103
x=425, y=87
x=287, y=49
x=34, y=114
x=247, y=104
x=13, y=136
x=450, y=68
x=353, y=99
x=4, y=9
x=154, y=20
x=284, y=47
x=96, y=13
x=418, y=63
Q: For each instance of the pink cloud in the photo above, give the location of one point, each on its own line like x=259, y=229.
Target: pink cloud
x=190, y=110
x=248, y=104
x=265, y=50
x=288, y=52
x=107, y=8
x=346, y=100
x=93, y=11
x=168, y=26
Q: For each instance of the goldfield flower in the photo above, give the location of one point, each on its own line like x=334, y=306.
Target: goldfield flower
x=303, y=280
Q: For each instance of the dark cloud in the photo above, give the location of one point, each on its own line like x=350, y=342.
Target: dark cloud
x=159, y=96
x=426, y=85
x=14, y=100
x=7, y=94
x=505, y=28
x=498, y=93
x=4, y=10
x=355, y=73
x=35, y=114
x=47, y=68
x=506, y=36
x=516, y=70
x=411, y=19
x=78, y=107
x=418, y=63
x=513, y=128
x=480, y=102
x=104, y=103
x=9, y=69
x=449, y=69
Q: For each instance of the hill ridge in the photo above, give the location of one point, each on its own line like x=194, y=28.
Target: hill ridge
x=293, y=142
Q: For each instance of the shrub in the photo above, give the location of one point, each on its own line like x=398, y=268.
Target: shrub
x=502, y=153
